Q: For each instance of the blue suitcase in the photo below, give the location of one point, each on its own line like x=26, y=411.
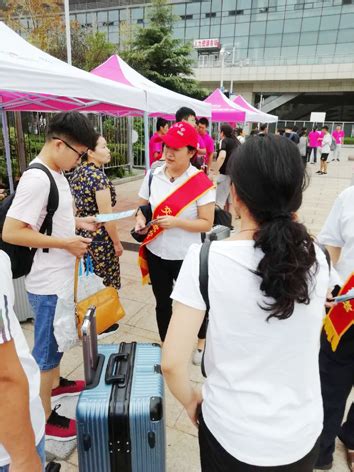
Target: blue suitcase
x=120, y=415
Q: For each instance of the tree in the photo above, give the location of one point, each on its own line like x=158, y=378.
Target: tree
x=157, y=55
x=46, y=30
x=44, y=19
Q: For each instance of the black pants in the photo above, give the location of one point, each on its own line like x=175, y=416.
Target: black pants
x=314, y=154
x=214, y=458
x=163, y=273
x=337, y=378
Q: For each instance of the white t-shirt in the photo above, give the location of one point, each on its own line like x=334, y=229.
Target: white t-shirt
x=338, y=231
x=173, y=244
x=326, y=144
x=49, y=270
x=262, y=397
x=10, y=329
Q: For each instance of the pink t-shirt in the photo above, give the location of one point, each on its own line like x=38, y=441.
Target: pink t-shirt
x=209, y=145
x=338, y=136
x=155, y=145
x=201, y=143
x=314, y=139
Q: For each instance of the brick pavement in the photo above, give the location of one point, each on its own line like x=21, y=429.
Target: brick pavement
x=140, y=325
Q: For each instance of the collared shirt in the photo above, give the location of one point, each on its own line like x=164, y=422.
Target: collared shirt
x=173, y=244
x=209, y=145
x=155, y=145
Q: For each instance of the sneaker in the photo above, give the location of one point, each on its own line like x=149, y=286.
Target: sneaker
x=111, y=330
x=338, y=160
x=197, y=357
x=59, y=427
x=67, y=388
x=319, y=172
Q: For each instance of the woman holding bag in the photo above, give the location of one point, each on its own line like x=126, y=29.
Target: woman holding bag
x=94, y=193
x=261, y=407
x=182, y=200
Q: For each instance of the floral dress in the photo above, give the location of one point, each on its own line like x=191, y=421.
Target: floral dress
x=85, y=181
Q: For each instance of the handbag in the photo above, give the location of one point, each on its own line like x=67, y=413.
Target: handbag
x=109, y=309
x=222, y=217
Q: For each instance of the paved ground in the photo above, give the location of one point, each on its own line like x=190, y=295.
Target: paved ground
x=139, y=323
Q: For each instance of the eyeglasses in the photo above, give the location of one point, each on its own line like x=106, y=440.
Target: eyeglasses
x=80, y=154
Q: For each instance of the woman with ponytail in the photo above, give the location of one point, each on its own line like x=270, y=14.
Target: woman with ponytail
x=260, y=408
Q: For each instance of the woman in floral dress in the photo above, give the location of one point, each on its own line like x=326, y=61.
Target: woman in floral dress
x=94, y=193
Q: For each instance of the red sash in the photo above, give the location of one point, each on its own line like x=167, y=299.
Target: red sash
x=187, y=193
x=340, y=317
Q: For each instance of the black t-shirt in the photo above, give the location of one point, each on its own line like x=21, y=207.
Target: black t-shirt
x=228, y=145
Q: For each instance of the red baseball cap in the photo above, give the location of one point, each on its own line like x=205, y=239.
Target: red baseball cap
x=180, y=135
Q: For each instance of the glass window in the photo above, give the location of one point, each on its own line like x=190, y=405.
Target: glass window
x=193, y=7
x=242, y=29
x=113, y=15
x=179, y=9
x=273, y=40
x=310, y=24
x=124, y=14
x=256, y=53
x=227, y=30
x=216, y=5
x=346, y=35
x=113, y=38
x=289, y=52
x=102, y=16
x=191, y=33
x=137, y=13
x=308, y=38
x=241, y=42
x=313, y=12
x=347, y=20
x=326, y=50
x=291, y=39
x=272, y=52
x=257, y=41
x=258, y=27
x=274, y=27
x=243, y=4
x=206, y=7
x=204, y=32
x=328, y=37
x=292, y=26
x=228, y=5
x=308, y=51
x=179, y=33
x=341, y=48
x=329, y=22
x=215, y=31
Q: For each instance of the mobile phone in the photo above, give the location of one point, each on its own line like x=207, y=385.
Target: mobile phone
x=89, y=342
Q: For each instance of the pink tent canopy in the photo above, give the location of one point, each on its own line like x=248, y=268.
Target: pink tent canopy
x=160, y=101
x=224, y=109
x=252, y=113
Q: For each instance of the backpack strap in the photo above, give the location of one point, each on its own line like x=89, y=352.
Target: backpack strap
x=326, y=253
x=53, y=201
x=203, y=287
x=150, y=180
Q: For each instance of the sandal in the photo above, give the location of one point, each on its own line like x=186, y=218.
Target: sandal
x=350, y=459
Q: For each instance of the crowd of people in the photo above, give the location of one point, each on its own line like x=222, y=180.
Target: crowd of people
x=269, y=402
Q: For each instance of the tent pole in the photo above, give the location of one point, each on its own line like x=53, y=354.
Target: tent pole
x=146, y=140
x=5, y=132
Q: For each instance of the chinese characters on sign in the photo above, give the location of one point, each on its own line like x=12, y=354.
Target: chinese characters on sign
x=206, y=44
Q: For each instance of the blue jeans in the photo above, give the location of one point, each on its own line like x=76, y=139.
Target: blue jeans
x=41, y=453
x=45, y=350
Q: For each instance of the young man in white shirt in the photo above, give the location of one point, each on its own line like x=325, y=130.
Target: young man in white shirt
x=337, y=367
x=325, y=150
x=21, y=413
x=68, y=137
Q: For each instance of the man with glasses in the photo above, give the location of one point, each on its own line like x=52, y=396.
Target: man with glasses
x=69, y=135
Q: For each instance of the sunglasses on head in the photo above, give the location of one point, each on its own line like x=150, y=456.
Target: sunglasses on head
x=80, y=154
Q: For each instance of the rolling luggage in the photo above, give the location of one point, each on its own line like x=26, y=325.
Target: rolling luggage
x=120, y=414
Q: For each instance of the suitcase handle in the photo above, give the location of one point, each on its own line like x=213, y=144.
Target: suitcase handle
x=115, y=375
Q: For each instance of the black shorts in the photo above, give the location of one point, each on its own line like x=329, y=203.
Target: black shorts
x=324, y=156
x=214, y=458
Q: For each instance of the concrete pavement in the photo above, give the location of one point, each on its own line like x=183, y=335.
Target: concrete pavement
x=140, y=325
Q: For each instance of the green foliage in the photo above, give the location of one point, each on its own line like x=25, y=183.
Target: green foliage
x=156, y=54
x=349, y=140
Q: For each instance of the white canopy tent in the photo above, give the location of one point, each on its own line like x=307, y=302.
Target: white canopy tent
x=32, y=80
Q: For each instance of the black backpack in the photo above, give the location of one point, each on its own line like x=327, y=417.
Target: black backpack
x=22, y=257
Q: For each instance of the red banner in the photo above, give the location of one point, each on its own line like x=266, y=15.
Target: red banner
x=340, y=317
